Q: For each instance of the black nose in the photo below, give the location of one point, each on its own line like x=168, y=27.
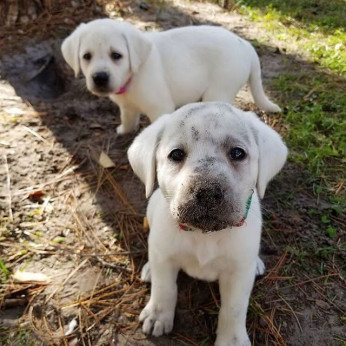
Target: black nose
x=209, y=196
x=101, y=79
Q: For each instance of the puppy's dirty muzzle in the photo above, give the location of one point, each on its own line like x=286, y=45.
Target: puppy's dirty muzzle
x=206, y=208
x=209, y=197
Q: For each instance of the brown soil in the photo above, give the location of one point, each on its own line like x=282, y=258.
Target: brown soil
x=65, y=216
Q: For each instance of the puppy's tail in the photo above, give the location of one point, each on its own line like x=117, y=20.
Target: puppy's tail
x=256, y=87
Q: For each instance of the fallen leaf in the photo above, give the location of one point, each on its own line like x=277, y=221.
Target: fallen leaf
x=20, y=276
x=145, y=223
x=36, y=196
x=105, y=161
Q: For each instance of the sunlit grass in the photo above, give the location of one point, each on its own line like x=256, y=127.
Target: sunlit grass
x=317, y=28
x=315, y=122
x=314, y=97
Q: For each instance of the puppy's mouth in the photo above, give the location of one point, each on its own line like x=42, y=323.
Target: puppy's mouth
x=205, y=223
x=202, y=227
x=102, y=92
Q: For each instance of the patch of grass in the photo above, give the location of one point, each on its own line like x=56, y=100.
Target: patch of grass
x=206, y=341
x=4, y=337
x=315, y=122
x=327, y=15
x=326, y=217
x=4, y=272
x=23, y=338
x=317, y=27
x=313, y=260
x=315, y=112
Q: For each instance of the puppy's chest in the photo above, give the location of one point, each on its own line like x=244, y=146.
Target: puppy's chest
x=204, y=259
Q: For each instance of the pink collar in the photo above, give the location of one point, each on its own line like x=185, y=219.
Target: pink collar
x=123, y=89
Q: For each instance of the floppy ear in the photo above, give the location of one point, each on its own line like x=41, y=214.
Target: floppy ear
x=142, y=153
x=138, y=46
x=70, y=49
x=272, y=152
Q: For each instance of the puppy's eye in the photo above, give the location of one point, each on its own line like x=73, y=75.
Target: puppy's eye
x=116, y=56
x=87, y=56
x=177, y=155
x=237, y=154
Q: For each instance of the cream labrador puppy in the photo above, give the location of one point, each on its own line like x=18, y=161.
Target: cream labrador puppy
x=213, y=163
x=155, y=73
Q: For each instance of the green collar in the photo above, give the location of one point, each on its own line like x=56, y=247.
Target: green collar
x=248, y=205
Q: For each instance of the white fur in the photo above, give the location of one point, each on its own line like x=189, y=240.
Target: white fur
x=167, y=69
x=229, y=255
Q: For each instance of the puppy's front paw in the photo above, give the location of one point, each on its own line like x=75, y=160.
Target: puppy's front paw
x=234, y=341
x=156, y=321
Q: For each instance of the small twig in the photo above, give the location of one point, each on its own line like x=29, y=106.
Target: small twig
x=339, y=187
x=119, y=192
x=213, y=295
x=103, y=314
x=9, y=189
x=86, y=308
x=94, y=288
x=119, y=253
x=113, y=266
x=62, y=329
x=68, y=278
x=50, y=244
x=49, y=182
x=81, y=324
x=34, y=133
x=311, y=280
x=273, y=273
x=294, y=314
x=184, y=339
x=81, y=221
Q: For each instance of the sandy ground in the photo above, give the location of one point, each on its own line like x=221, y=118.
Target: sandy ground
x=67, y=217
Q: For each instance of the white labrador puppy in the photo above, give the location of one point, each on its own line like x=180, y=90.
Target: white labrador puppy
x=155, y=73
x=212, y=161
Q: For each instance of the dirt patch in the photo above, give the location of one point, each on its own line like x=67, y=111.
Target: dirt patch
x=65, y=216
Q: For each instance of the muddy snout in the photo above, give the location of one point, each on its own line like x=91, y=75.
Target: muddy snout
x=209, y=197
x=206, y=207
